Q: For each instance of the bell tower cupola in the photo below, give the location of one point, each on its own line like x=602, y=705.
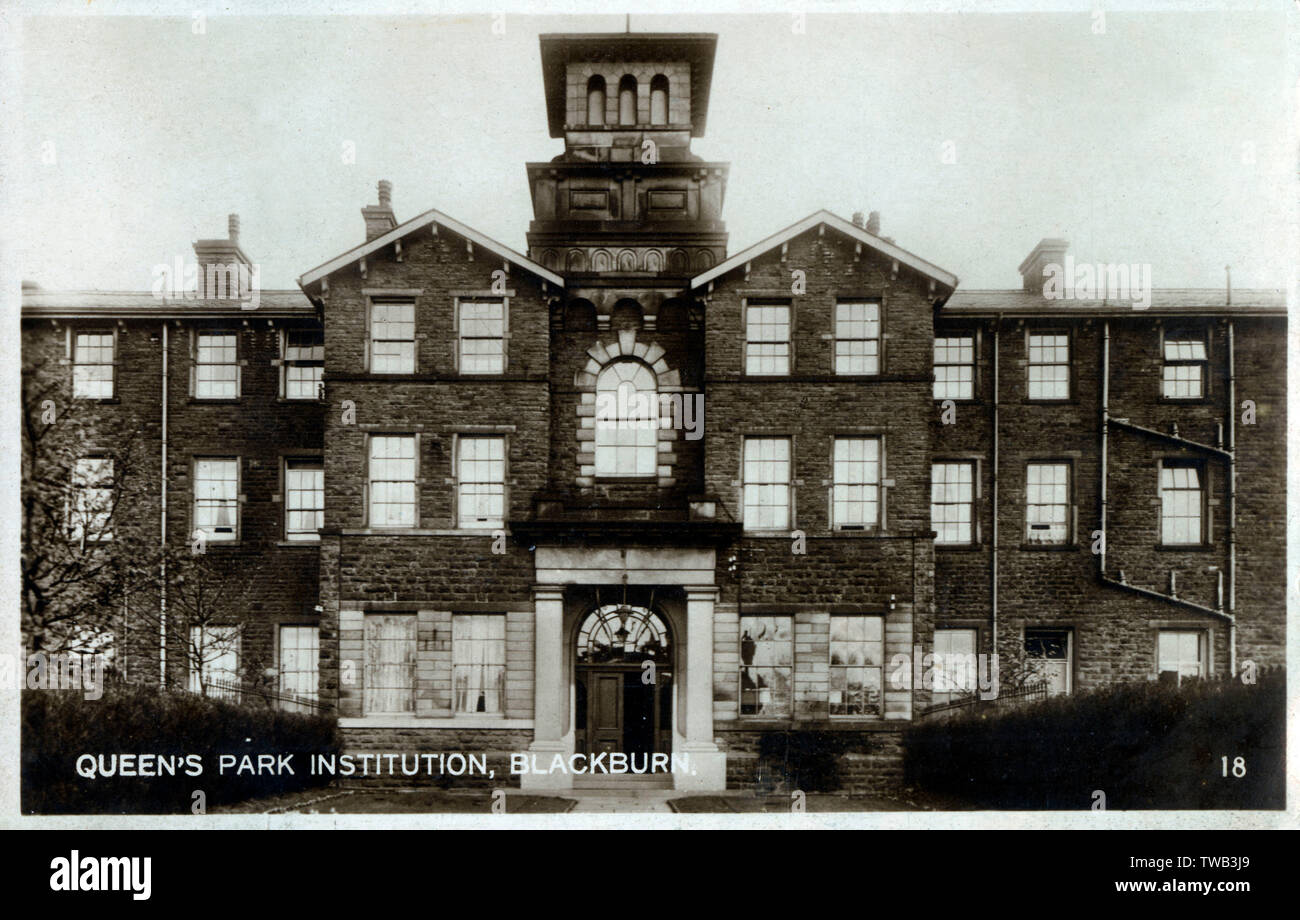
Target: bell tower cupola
x=627, y=196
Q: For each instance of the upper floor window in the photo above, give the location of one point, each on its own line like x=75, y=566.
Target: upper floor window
x=596, y=100
x=92, y=365
x=767, y=484
x=767, y=338
x=627, y=420
x=1182, y=503
x=855, y=492
x=659, y=100
x=857, y=649
x=482, y=325
x=1185, y=363
x=303, y=361
x=481, y=481
x=954, y=367
x=216, y=365
x=304, y=498
x=392, y=481
x=392, y=337
x=766, y=665
x=1180, y=653
x=627, y=100
x=216, y=498
x=90, y=507
x=857, y=338
x=1049, y=365
x=478, y=662
x=952, y=502
x=1047, y=503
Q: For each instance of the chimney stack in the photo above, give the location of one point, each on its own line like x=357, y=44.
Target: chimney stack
x=379, y=218
x=224, y=271
x=858, y=219
x=873, y=223
x=1048, y=251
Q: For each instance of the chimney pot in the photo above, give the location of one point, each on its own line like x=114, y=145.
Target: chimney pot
x=232, y=231
x=379, y=217
x=858, y=219
x=873, y=223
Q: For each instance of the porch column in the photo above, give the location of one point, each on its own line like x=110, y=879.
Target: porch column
x=708, y=765
x=548, y=689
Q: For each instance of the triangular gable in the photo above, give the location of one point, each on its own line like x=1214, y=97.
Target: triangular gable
x=432, y=216
x=884, y=247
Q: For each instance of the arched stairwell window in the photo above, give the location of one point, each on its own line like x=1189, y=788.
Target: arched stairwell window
x=659, y=100
x=627, y=420
x=596, y=100
x=627, y=100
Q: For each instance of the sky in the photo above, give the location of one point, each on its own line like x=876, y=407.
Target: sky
x=1164, y=138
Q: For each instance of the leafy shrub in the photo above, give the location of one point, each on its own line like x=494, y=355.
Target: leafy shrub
x=60, y=726
x=1145, y=745
x=807, y=760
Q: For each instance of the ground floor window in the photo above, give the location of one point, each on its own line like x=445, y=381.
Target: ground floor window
x=1180, y=653
x=478, y=655
x=390, y=663
x=1050, y=653
x=857, y=657
x=214, y=661
x=766, y=666
x=954, y=664
x=299, y=662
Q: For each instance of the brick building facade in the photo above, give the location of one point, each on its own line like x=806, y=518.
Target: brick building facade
x=461, y=533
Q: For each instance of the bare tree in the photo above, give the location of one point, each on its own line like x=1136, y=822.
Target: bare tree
x=208, y=614
x=82, y=555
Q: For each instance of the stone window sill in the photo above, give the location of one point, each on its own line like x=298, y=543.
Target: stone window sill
x=405, y=721
x=829, y=723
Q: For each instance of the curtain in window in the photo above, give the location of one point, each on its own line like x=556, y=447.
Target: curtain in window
x=478, y=658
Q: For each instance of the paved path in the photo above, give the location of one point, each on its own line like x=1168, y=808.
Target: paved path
x=607, y=801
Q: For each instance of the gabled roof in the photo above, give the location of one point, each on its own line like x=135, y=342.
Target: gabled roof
x=883, y=246
x=432, y=216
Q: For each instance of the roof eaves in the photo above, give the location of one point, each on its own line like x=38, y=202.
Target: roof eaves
x=929, y=269
x=432, y=216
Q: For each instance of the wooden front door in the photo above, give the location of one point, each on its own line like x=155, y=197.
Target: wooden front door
x=619, y=711
x=605, y=711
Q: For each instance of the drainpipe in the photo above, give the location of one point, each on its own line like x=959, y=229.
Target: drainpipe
x=1105, y=579
x=993, y=598
x=1105, y=439
x=1232, y=502
x=162, y=589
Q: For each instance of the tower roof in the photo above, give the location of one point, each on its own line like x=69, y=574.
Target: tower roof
x=560, y=49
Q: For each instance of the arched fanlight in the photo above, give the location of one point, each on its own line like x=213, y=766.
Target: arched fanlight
x=620, y=633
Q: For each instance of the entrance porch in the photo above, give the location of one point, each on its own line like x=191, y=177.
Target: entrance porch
x=623, y=646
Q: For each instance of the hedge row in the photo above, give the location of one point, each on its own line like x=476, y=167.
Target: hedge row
x=58, y=727
x=1145, y=746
